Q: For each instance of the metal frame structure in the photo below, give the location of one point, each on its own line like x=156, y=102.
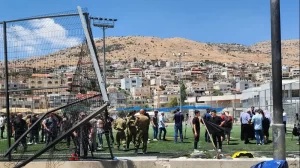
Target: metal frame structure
x=279, y=150
x=104, y=23
x=91, y=46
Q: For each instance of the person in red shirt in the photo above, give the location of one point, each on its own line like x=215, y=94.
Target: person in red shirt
x=227, y=124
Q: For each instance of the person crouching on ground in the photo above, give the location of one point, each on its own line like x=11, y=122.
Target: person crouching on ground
x=196, y=129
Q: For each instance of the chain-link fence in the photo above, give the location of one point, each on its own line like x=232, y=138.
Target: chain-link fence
x=52, y=84
x=262, y=97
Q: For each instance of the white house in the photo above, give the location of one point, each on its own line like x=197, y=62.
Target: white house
x=243, y=85
x=128, y=83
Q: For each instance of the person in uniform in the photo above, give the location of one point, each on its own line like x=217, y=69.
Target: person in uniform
x=19, y=127
x=120, y=126
x=131, y=129
x=142, y=123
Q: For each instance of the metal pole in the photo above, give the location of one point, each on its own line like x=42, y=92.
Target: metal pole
x=279, y=152
x=7, y=88
x=259, y=99
x=180, y=81
x=104, y=59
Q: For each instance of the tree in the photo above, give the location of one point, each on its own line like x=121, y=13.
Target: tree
x=217, y=93
x=173, y=102
x=145, y=106
x=183, y=93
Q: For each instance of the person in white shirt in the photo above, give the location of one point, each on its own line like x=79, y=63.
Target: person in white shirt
x=162, y=126
x=284, y=119
x=2, y=125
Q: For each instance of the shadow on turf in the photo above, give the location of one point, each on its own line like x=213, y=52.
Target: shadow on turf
x=234, y=143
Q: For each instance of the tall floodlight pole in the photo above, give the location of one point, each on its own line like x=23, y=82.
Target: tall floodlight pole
x=180, y=94
x=103, y=23
x=278, y=126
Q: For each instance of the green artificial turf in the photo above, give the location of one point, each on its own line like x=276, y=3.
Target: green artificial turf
x=169, y=148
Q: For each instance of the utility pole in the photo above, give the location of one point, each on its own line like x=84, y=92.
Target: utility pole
x=279, y=151
x=180, y=97
x=103, y=23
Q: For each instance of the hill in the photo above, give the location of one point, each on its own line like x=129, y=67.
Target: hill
x=157, y=48
x=151, y=48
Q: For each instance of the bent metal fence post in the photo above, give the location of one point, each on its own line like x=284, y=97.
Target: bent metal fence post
x=50, y=66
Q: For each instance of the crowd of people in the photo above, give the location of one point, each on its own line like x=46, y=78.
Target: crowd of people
x=133, y=129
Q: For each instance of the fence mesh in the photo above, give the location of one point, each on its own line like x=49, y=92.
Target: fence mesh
x=50, y=66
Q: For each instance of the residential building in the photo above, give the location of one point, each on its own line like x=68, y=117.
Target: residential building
x=117, y=99
x=263, y=76
x=128, y=83
x=150, y=73
x=222, y=86
x=243, y=85
x=295, y=72
x=135, y=72
x=141, y=92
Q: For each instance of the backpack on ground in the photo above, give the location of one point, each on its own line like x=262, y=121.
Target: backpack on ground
x=272, y=164
x=295, y=131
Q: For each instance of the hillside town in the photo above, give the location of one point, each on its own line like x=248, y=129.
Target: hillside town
x=156, y=84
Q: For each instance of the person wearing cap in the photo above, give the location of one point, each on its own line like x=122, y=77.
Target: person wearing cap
x=154, y=123
x=142, y=123
x=131, y=129
x=120, y=126
x=82, y=136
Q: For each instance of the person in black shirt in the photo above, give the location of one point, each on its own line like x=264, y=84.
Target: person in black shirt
x=34, y=133
x=155, y=125
x=215, y=136
x=178, y=118
x=196, y=129
x=82, y=135
x=19, y=127
x=109, y=121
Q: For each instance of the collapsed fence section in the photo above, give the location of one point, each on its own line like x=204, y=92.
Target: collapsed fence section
x=53, y=82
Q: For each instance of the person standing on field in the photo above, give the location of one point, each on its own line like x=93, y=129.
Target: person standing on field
x=162, y=126
x=196, y=129
x=131, y=129
x=120, y=126
x=155, y=125
x=142, y=123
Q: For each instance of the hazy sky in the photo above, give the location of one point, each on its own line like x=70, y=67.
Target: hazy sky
x=235, y=21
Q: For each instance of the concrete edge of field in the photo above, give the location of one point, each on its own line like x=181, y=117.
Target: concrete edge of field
x=145, y=162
